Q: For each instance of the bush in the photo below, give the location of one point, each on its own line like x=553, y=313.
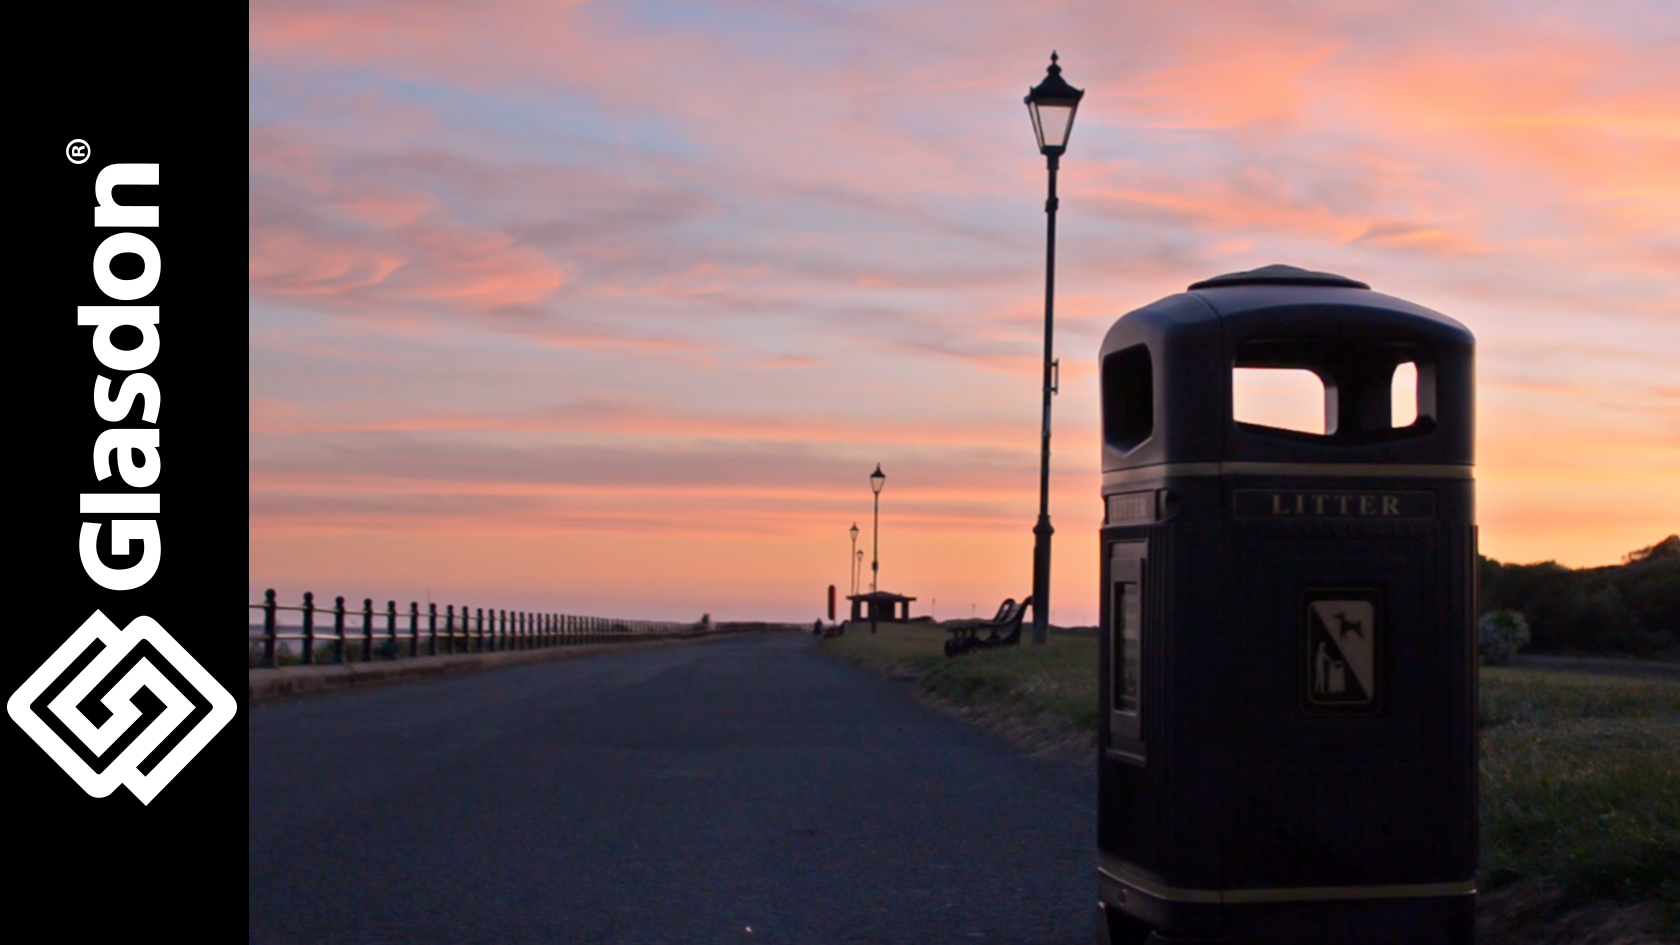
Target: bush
x=1501, y=635
x=1632, y=608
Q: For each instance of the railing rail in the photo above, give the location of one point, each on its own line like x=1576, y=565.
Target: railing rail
x=366, y=635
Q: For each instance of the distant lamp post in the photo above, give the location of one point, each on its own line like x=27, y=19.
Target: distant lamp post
x=1051, y=104
x=877, y=479
x=852, y=558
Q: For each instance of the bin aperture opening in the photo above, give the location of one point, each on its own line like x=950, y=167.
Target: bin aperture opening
x=1358, y=378
x=1283, y=399
x=1402, y=397
x=1128, y=382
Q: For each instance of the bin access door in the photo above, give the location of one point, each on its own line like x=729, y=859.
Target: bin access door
x=1127, y=563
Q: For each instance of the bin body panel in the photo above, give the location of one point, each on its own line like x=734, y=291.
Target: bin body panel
x=1303, y=759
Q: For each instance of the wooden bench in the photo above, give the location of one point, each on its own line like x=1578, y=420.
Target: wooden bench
x=1004, y=628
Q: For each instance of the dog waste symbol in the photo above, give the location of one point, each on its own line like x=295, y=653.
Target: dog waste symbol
x=1341, y=646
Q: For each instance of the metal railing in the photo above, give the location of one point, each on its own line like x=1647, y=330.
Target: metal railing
x=337, y=634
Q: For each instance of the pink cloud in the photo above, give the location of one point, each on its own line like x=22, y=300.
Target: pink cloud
x=322, y=234
x=801, y=238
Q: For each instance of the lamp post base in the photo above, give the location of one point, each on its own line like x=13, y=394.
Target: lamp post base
x=1041, y=579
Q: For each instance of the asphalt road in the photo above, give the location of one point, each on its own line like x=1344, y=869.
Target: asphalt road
x=677, y=795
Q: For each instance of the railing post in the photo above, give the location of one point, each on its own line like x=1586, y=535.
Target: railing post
x=269, y=607
x=413, y=628
x=431, y=629
x=548, y=629
x=338, y=631
x=391, y=625
x=503, y=628
x=449, y=626
x=481, y=632
x=524, y=630
x=308, y=628
x=367, y=629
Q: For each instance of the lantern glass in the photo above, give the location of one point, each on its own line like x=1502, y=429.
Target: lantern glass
x=1052, y=121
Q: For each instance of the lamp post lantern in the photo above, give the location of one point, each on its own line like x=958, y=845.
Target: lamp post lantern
x=877, y=479
x=1051, y=104
x=851, y=558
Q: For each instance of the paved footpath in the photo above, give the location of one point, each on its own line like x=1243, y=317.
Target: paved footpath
x=674, y=795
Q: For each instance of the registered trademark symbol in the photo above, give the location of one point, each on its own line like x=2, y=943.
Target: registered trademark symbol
x=77, y=151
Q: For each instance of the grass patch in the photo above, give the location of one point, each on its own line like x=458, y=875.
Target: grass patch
x=1580, y=775
x=1057, y=680
x=1581, y=785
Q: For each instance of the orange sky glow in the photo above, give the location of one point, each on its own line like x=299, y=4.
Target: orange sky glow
x=612, y=308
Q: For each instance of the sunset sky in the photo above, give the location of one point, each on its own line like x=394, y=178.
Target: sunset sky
x=613, y=307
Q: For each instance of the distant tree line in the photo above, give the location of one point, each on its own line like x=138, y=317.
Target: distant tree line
x=1630, y=608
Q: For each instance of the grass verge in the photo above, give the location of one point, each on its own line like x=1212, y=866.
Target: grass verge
x=1580, y=774
x=1581, y=785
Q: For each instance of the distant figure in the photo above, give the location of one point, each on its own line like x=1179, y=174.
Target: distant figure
x=816, y=627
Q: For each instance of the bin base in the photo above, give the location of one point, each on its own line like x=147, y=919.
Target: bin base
x=1421, y=920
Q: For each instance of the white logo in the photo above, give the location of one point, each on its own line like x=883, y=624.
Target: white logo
x=147, y=756
x=77, y=151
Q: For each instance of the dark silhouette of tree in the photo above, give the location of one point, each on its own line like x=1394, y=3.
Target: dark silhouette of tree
x=1631, y=608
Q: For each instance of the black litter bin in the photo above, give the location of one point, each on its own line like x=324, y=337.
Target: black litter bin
x=1288, y=657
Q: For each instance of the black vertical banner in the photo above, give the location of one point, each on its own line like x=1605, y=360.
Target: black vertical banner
x=126, y=738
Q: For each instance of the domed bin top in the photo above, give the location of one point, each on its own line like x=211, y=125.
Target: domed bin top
x=1167, y=368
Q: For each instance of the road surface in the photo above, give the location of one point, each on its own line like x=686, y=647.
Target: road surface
x=685, y=794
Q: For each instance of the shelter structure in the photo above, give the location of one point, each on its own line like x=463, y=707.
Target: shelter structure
x=880, y=607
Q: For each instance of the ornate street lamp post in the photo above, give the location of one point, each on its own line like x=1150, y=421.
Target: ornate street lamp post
x=877, y=479
x=851, y=559
x=1051, y=104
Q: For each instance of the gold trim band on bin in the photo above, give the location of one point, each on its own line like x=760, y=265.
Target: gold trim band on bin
x=1116, y=870
x=1372, y=470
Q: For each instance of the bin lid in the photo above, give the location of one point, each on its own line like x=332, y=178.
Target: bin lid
x=1277, y=274
x=1169, y=375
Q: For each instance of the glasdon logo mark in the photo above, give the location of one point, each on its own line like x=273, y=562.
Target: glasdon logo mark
x=125, y=706
x=84, y=707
